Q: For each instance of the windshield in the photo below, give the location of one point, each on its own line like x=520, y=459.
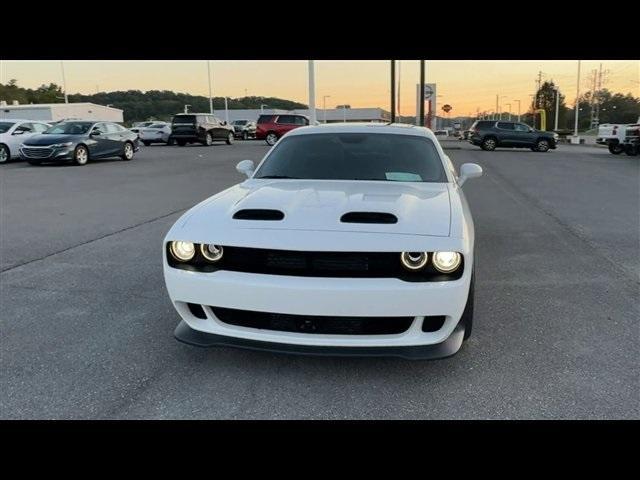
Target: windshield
x=240, y=122
x=5, y=126
x=354, y=156
x=70, y=128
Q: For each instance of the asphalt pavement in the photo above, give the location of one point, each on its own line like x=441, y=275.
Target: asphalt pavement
x=86, y=326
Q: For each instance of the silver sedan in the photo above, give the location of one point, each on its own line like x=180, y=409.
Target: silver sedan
x=157, y=132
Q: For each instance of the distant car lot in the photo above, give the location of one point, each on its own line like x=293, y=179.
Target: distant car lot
x=87, y=325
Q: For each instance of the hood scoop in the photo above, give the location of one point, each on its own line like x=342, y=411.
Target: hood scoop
x=368, y=217
x=258, y=214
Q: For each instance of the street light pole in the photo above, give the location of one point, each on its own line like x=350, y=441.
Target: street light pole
x=226, y=110
x=421, y=103
x=575, y=128
x=509, y=105
x=312, y=93
x=64, y=82
x=518, y=109
x=324, y=107
x=209, y=78
x=393, y=91
x=557, y=107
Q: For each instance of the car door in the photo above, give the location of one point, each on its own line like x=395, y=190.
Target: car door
x=20, y=134
x=506, y=134
x=115, y=135
x=525, y=135
x=284, y=124
x=98, y=142
x=217, y=131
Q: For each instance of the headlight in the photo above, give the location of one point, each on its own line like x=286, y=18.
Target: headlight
x=182, y=251
x=556, y=136
x=211, y=252
x=446, y=262
x=60, y=145
x=414, y=260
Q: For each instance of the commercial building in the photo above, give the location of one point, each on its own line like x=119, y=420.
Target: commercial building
x=53, y=112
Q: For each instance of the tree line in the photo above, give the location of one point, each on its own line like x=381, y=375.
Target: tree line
x=140, y=106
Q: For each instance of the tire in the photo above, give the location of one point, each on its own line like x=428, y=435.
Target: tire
x=230, y=138
x=208, y=139
x=467, y=314
x=128, y=152
x=245, y=136
x=81, y=155
x=171, y=142
x=542, y=146
x=489, y=144
x=615, y=148
x=271, y=139
x=146, y=144
x=5, y=154
x=182, y=143
x=631, y=150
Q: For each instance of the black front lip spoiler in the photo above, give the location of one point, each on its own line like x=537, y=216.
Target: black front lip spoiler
x=449, y=347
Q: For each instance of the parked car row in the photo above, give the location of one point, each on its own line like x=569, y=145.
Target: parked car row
x=76, y=141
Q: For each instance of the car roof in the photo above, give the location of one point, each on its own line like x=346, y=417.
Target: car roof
x=365, y=127
x=17, y=120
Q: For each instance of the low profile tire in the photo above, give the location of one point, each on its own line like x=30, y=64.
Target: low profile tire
x=271, y=139
x=182, y=143
x=230, y=138
x=489, y=144
x=208, y=140
x=542, y=146
x=616, y=148
x=80, y=155
x=245, y=136
x=5, y=154
x=128, y=152
x=146, y=144
x=467, y=315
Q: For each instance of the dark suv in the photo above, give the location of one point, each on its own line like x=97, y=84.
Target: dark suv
x=199, y=128
x=271, y=127
x=489, y=134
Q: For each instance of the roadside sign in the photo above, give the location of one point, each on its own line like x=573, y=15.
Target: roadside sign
x=447, y=108
x=428, y=92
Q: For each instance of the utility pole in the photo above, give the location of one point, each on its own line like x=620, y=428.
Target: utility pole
x=312, y=93
x=226, y=110
x=209, y=77
x=399, y=87
x=539, y=83
x=601, y=81
x=393, y=91
x=497, y=100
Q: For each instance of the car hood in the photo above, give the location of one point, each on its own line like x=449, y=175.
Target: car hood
x=421, y=209
x=51, y=139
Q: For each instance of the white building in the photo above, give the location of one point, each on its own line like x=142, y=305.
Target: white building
x=59, y=111
x=330, y=114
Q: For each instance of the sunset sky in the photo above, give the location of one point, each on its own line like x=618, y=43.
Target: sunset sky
x=466, y=85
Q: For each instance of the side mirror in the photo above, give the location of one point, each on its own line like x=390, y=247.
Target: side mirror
x=95, y=132
x=18, y=132
x=247, y=167
x=467, y=171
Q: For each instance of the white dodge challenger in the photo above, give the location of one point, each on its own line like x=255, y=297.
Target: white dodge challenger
x=347, y=239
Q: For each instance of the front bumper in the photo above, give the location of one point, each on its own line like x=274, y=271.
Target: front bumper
x=348, y=297
x=447, y=348
x=46, y=154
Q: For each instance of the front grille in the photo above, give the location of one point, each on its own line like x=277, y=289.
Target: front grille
x=315, y=264
x=313, y=323
x=42, y=152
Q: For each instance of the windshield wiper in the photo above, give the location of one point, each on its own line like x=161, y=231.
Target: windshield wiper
x=278, y=176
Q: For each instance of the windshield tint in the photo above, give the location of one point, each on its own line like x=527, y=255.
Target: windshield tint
x=70, y=128
x=5, y=126
x=354, y=156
